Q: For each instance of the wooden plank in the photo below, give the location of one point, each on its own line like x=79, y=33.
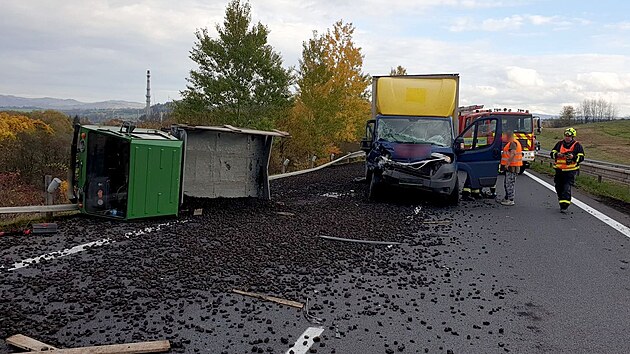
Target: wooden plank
x=128, y=348
x=23, y=342
x=278, y=300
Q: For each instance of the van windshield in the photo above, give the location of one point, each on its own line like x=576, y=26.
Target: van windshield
x=415, y=130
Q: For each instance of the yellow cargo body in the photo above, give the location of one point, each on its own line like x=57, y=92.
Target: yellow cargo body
x=418, y=95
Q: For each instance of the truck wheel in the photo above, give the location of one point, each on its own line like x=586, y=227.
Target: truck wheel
x=375, y=187
x=453, y=198
x=523, y=168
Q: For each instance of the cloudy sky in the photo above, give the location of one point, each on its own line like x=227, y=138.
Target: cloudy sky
x=532, y=54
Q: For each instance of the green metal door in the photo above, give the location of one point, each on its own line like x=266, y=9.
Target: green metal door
x=154, y=178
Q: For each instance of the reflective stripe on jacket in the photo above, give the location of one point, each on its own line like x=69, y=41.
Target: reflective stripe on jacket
x=518, y=157
x=567, y=165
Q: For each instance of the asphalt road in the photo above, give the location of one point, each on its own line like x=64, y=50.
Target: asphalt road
x=477, y=278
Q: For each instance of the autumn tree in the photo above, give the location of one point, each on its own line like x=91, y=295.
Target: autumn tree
x=239, y=80
x=53, y=150
x=23, y=142
x=399, y=70
x=331, y=104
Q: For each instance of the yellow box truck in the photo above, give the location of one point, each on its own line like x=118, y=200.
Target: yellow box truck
x=410, y=139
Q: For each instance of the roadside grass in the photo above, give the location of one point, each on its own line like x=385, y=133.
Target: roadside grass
x=605, y=141
x=589, y=184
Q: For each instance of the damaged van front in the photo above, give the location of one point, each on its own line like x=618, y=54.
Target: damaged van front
x=412, y=152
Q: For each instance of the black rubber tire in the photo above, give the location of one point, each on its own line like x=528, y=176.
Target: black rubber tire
x=453, y=198
x=376, y=187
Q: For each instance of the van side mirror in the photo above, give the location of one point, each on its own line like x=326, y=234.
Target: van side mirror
x=458, y=145
x=366, y=142
x=366, y=145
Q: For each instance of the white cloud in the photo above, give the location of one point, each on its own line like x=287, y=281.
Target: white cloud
x=461, y=24
x=541, y=20
x=621, y=26
x=524, y=77
x=488, y=91
x=605, y=81
x=507, y=23
x=514, y=22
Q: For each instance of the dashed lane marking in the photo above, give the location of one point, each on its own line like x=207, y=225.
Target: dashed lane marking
x=596, y=213
x=305, y=342
x=80, y=248
x=58, y=254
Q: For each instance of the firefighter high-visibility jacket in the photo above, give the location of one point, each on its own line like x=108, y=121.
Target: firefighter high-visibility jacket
x=562, y=162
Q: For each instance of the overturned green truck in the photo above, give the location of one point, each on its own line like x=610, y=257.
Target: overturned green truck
x=129, y=173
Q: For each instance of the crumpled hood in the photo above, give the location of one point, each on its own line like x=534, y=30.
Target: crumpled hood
x=409, y=152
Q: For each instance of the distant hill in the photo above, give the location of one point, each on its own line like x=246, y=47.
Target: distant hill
x=8, y=101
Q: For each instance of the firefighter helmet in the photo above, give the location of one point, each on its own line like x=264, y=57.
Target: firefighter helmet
x=570, y=132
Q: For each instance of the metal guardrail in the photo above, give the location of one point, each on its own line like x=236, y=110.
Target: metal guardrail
x=595, y=162
x=342, y=159
x=601, y=169
x=39, y=209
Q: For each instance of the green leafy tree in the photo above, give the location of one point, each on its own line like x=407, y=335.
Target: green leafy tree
x=399, y=70
x=240, y=79
x=567, y=115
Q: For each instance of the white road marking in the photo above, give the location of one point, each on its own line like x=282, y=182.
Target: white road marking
x=58, y=254
x=299, y=347
x=80, y=248
x=596, y=213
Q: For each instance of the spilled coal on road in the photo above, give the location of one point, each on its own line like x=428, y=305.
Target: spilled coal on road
x=428, y=291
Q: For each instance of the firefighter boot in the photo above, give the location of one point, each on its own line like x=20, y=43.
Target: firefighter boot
x=466, y=194
x=492, y=194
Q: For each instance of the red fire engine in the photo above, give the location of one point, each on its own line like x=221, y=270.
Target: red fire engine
x=521, y=122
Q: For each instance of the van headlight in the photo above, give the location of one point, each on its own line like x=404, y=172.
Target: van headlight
x=446, y=158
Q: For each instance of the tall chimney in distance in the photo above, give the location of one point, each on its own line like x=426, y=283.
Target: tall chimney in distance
x=148, y=107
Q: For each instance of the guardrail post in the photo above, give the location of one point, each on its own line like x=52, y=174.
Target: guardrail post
x=313, y=159
x=284, y=165
x=599, y=178
x=49, y=195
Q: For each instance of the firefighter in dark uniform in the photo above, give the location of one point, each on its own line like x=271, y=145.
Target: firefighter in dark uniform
x=568, y=154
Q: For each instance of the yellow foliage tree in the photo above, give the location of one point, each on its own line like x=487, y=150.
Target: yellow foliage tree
x=13, y=124
x=331, y=104
x=30, y=146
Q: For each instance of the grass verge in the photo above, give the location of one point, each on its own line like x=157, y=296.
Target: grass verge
x=606, y=190
x=605, y=141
